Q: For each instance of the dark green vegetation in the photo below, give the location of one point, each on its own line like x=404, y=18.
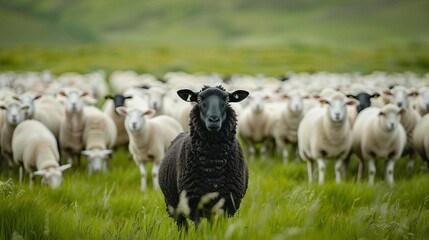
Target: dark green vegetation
x=255, y=36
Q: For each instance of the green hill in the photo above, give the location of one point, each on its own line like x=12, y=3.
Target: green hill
x=222, y=22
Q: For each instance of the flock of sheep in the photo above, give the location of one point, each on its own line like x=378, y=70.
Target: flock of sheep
x=310, y=117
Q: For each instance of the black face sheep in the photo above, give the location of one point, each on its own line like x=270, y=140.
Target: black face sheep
x=204, y=170
x=364, y=100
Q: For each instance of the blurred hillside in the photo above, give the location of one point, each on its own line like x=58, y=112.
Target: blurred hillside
x=221, y=22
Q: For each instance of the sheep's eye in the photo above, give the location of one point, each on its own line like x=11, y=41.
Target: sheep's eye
x=25, y=108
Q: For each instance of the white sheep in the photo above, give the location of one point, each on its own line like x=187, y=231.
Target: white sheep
x=35, y=150
x=378, y=134
x=149, y=139
x=325, y=133
x=421, y=138
x=13, y=117
x=99, y=136
x=421, y=101
x=72, y=125
x=254, y=124
x=285, y=126
x=49, y=111
x=400, y=97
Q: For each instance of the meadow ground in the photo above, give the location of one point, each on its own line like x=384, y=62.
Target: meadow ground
x=279, y=204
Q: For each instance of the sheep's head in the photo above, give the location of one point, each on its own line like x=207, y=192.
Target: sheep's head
x=295, y=101
x=97, y=159
x=27, y=104
x=212, y=103
x=364, y=99
x=400, y=95
x=52, y=177
x=118, y=100
x=390, y=116
x=337, y=106
x=14, y=114
x=257, y=101
x=134, y=117
x=74, y=102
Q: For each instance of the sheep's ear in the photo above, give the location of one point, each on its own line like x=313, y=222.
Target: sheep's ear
x=107, y=151
x=40, y=172
x=351, y=96
x=16, y=97
x=62, y=93
x=64, y=167
x=85, y=93
x=413, y=94
x=352, y=102
x=86, y=152
x=402, y=111
x=108, y=97
x=323, y=101
x=238, y=96
x=388, y=92
x=149, y=112
x=188, y=95
x=37, y=97
x=121, y=110
x=128, y=97
x=375, y=95
x=3, y=107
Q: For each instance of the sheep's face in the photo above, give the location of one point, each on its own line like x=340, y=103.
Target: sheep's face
x=135, y=118
x=337, y=108
x=390, y=117
x=401, y=98
x=212, y=103
x=295, y=102
x=27, y=105
x=257, y=101
x=156, y=98
x=52, y=177
x=14, y=113
x=74, y=102
x=97, y=159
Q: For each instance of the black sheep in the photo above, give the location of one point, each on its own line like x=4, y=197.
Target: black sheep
x=204, y=170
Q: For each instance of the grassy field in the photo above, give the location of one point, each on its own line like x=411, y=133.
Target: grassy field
x=244, y=36
x=279, y=204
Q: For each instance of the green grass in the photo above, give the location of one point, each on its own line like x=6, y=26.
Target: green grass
x=269, y=60
x=279, y=204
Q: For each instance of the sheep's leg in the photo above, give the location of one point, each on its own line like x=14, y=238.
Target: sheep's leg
x=339, y=170
x=143, y=185
x=285, y=155
x=21, y=174
x=155, y=170
x=264, y=151
x=310, y=171
x=361, y=168
x=251, y=151
x=32, y=180
x=371, y=171
x=412, y=159
x=321, y=163
x=295, y=152
x=390, y=165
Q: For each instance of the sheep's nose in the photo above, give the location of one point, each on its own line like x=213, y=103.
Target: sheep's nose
x=214, y=119
x=392, y=125
x=400, y=104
